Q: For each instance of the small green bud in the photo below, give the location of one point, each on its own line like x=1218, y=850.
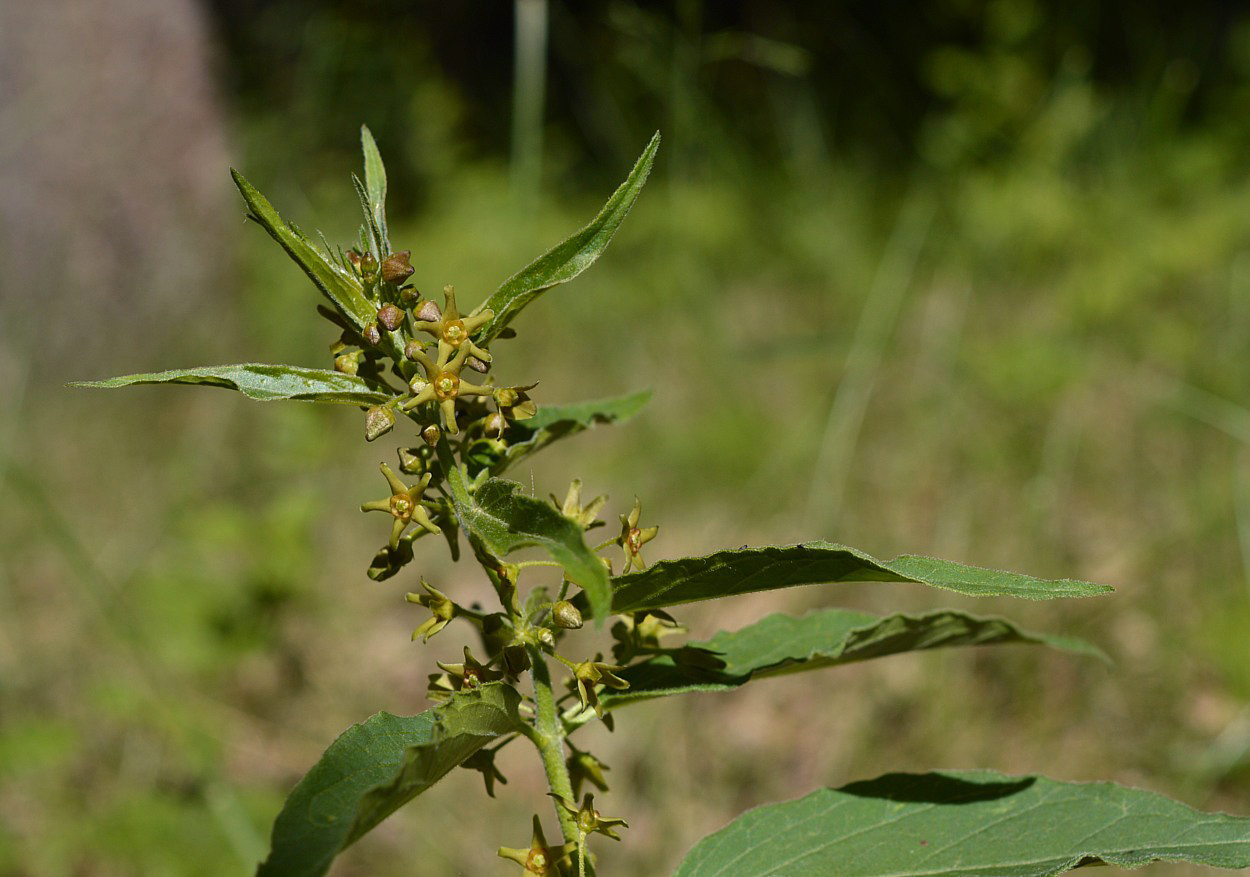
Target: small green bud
x=372, y=334
x=395, y=268
x=417, y=384
x=409, y=296
x=431, y=434
x=369, y=268
x=546, y=637
x=378, y=422
x=411, y=461
x=495, y=425
x=347, y=363
x=391, y=317
x=566, y=615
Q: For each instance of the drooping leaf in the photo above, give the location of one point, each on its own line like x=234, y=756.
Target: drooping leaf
x=376, y=767
x=743, y=571
x=571, y=256
x=555, y=422
x=503, y=519
x=263, y=382
x=779, y=644
x=967, y=823
x=375, y=184
x=340, y=287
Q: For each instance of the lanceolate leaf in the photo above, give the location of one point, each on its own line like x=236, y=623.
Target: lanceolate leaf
x=375, y=184
x=503, y=519
x=374, y=768
x=554, y=422
x=963, y=824
x=781, y=644
x=264, y=382
x=343, y=290
x=569, y=258
x=729, y=573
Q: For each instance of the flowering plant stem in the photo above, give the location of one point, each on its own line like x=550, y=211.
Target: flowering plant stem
x=428, y=372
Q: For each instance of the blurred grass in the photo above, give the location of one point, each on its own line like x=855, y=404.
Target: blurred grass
x=1051, y=384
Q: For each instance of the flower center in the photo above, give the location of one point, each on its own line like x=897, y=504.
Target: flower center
x=454, y=332
x=447, y=386
x=634, y=540
x=402, y=506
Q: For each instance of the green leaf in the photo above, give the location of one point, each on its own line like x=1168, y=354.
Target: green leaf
x=264, y=382
x=503, y=519
x=965, y=823
x=570, y=257
x=334, y=281
x=555, y=422
x=370, y=231
x=375, y=185
x=781, y=644
x=743, y=571
x=376, y=767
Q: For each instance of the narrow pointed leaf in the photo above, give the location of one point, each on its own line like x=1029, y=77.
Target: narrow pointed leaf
x=503, y=519
x=372, y=234
x=571, y=256
x=265, y=383
x=340, y=287
x=375, y=184
x=555, y=422
x=743, y=571
x=779, y=644
x=964, y=824
x=374, y=768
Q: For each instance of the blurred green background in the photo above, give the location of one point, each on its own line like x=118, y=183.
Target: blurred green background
x=953, y=277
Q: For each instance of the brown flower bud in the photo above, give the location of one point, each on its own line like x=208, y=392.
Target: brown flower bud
x=409, y=296
x=428, y=312
x=477, y=365
x=395, y=268
x=372, y=334
x=431, y=434
x=391, y=317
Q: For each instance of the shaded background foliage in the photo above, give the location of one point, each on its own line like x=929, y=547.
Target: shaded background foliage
x=962, y=278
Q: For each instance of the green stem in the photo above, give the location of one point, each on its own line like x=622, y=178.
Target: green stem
x=547, y=736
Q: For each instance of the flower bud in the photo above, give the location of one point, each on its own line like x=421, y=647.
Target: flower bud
x=431, y=434
x=495, y=425
x=391, y=317
x=369, y=268
x=566, y=615
x=372, y=334
x=347, y=363
x=378, y=422
x=409, y=296
x=395, y=268
x=477, y=365
x=411, y=462
x=428, y=312
x=412, y=348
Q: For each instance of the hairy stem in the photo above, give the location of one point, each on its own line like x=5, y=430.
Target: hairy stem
x=548, y=739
